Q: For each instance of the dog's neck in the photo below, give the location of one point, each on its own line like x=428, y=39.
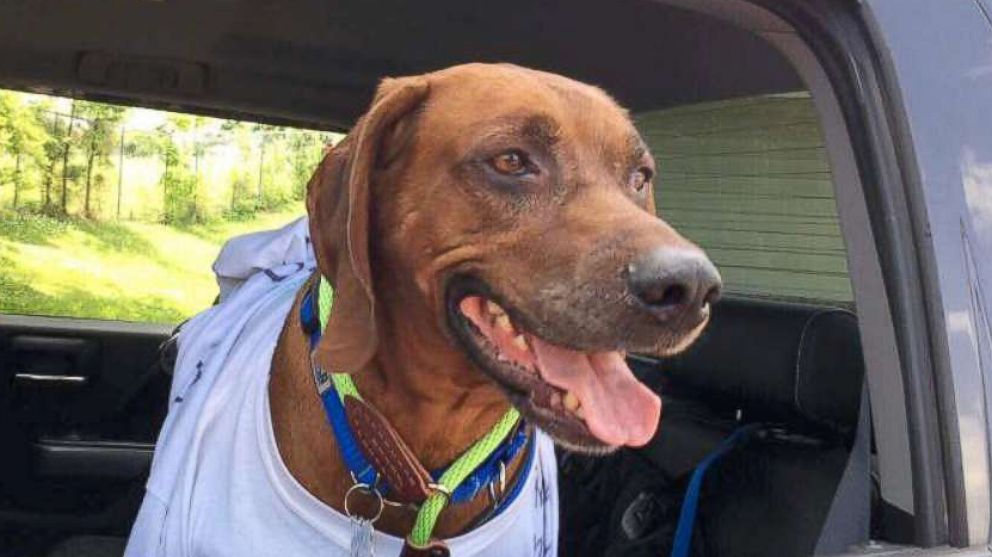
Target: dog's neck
x=427, y=387
x=417, y=380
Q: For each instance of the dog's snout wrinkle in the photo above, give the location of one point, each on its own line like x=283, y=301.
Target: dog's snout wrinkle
x=672, y=283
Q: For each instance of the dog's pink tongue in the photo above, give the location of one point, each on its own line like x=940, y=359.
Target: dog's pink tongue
x=618, y=409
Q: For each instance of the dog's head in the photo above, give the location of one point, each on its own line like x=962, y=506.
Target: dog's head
x=512, y=211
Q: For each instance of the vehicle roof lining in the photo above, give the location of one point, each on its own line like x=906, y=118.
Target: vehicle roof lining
x=316, y=63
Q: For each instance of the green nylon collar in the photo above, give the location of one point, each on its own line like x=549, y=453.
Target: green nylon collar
x=431, y=509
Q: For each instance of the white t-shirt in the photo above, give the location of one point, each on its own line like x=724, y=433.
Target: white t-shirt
x=218, y=486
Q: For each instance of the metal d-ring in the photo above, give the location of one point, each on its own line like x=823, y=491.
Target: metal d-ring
x=502, y=477
x=492, y=487
x=493, y=498
x=368, y=489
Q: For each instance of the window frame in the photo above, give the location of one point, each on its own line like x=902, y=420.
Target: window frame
x=832, y=47
x=837, y=39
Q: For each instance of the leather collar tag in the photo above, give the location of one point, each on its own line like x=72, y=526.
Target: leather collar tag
x=382, y=445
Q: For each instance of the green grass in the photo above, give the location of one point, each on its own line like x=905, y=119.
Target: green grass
x=107, y=270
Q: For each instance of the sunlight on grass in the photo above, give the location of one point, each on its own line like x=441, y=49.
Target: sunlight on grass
x=125, y=271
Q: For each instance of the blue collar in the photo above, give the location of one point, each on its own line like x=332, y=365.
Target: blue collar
x=489, y=473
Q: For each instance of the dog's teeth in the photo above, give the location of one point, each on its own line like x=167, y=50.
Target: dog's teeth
x=520, y=342
x=503, y=322
x=580, y=412
x=571, y=401
x=555, y=399
x=493, y=308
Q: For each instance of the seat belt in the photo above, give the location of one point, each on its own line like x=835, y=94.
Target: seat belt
x=690, y=502
x=849, y=518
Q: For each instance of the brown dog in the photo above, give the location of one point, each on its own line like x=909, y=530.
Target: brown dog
x=490, y=234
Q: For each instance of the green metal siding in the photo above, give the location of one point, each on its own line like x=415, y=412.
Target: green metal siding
x=748, y=180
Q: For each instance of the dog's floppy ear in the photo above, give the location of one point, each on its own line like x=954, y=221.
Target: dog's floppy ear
x=338, y=203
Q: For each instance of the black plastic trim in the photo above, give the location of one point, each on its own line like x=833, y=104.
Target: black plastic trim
x=939, y=352
x=67, y=458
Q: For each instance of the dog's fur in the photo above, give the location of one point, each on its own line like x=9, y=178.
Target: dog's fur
x=406, y=202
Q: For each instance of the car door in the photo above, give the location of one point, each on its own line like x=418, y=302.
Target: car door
x=81, y=402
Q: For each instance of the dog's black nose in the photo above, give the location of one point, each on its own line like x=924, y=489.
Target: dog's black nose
x=672, y=282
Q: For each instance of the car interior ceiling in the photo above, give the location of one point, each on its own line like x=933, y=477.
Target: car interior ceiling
x=795, y=369
x=317, y=63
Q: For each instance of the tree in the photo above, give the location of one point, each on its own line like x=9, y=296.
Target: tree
x=240, y=135
x=205, y=136
x=66, y=148
x=264, y=134
x=306, y=148
x=177, y=181
x=101, y=124
x=51, y=121
x=23, y=135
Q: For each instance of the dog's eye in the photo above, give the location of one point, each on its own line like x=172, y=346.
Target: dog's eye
x=640, y=178
x=513, y=163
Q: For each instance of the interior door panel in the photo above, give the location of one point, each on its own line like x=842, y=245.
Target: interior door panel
x=81, y=402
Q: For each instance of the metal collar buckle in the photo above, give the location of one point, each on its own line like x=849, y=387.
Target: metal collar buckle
x=371, y=491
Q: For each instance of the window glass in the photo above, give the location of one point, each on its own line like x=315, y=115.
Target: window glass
x=748, y=180
x=117, y=213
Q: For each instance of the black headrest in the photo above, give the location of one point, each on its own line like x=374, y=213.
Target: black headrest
x=777, y=362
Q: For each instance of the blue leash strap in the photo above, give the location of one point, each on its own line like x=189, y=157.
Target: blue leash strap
x=690, y=503
x=489, y=470
x=353, y=458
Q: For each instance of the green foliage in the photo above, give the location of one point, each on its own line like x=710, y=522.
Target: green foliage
x=177, y=183
x=22, y=135
x=20, y=130
x=28, y=229
x=81, y=159
x=98, y=139
x=142, y=145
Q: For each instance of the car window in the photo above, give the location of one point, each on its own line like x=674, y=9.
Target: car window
x=110, y=212
x=748, y=180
